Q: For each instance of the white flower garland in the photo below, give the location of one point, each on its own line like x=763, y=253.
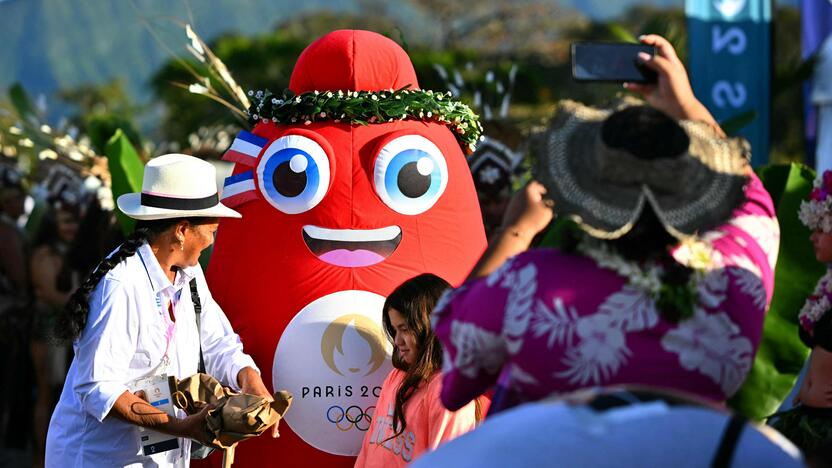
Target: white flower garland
x=695, y=254
x=816, y=212
x=817, y=304
x=645, y=279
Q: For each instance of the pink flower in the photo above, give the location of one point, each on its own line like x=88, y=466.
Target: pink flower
x=815, y=195
x=827, y=178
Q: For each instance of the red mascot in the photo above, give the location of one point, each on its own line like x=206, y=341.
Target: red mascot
x=351, y=182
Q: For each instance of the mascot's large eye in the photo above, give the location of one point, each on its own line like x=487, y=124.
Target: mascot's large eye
x=294, y=174
x=410, y=174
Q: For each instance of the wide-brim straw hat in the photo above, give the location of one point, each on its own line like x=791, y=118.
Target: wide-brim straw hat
x=605, y=189
x=176, y=186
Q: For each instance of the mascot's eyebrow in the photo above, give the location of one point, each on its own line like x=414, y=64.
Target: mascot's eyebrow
x=239, y=188
x=245, y=149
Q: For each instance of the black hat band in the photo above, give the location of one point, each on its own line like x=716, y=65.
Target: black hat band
x=189, y=204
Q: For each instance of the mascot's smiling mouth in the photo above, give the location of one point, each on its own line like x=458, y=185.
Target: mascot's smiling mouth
x=352, y=247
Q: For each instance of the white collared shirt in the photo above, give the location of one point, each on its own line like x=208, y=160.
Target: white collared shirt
x=124, y=339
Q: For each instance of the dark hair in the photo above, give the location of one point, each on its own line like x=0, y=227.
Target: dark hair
x=414, y=300
x=47, y=233
x=648, y=133
x=47, y=236
x=73, y=319
x=644, y=132
x=98, y=234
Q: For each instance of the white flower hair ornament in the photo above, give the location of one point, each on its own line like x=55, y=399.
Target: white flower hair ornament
x=816, y=212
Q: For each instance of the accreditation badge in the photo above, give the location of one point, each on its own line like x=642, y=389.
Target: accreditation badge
x=157, y=391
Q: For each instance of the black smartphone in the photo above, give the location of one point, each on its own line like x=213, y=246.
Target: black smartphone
x=611, y=61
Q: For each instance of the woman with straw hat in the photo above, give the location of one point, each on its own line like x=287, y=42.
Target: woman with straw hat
x=143, y=315
x=664, y=280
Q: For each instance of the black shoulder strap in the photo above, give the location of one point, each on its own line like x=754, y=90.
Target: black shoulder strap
x=197, y=313
x=728, y=444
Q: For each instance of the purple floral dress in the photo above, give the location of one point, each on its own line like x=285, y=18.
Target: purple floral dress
x=549, y=322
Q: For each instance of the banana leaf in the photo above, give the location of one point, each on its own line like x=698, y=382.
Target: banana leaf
x=126, y=170
x=732, y=125
x=781, y=354
x=22, y=104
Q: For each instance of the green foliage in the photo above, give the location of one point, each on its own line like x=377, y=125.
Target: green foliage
x=21, y=102
x=736, y=123
x=365, y=107
x=789, y=73
x=781, y=354
x=126, y=170
x=101, y=128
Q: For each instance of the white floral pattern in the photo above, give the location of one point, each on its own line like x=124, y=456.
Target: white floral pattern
x=751, y=285
x=633, y=308
x=497, y=275
x=442, y=304
x=764, y=230
x=558, y=322
x=519, y=377
x=712, y=345
x=476, y=349
x=601, y=351
x=523, y=285
x=712, y=288
x=601, y=347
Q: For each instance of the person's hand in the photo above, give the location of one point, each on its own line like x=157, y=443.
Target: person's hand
x=672, y=93
x=193, y=426
x=528, y=212
x=252, y=383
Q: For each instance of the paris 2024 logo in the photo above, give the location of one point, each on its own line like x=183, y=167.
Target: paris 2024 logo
x=334, y=355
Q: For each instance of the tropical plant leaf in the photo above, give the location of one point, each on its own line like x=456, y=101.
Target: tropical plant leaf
x=621, y=33
x=732, y=125
x=781, y=354
x=21, y=102
x=126, y=170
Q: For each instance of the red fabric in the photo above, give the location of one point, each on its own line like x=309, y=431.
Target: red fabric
x=354, y=60
x=263, y=274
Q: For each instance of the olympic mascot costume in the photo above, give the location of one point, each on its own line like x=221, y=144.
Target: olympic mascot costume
x=350, y=183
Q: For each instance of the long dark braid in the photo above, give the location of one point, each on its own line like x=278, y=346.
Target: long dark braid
x=73, y=319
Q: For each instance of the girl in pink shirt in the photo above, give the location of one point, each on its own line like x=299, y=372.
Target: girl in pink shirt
x=409, y=418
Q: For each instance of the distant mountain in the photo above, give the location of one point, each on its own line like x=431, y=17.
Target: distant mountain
x=53, y=44
x=606, y=9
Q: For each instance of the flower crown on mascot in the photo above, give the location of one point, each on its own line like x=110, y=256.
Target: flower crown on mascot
x=350, y=183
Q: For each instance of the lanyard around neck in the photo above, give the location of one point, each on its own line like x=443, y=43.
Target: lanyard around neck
x=168, y=316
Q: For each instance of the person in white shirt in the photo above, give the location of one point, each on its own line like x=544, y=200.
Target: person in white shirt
x=134, y=317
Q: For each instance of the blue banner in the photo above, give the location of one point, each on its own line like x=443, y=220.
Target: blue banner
x=729, y=61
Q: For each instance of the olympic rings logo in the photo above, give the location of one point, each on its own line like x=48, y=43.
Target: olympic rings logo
x=353, y=416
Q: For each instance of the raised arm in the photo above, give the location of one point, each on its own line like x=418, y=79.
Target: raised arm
x=672, y=93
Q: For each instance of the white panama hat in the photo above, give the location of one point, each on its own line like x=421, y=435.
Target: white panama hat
x=176, y=186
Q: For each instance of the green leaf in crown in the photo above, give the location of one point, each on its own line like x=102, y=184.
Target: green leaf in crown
x=368, y=107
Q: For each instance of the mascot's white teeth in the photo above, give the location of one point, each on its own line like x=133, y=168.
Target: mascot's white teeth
x=352, y=248
x=353, y=235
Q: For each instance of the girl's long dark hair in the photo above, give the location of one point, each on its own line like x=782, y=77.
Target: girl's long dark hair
x=73, y=319
x=414, y=300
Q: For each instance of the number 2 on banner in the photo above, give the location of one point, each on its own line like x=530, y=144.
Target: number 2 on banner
x=732, y=38
x=724, y=93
